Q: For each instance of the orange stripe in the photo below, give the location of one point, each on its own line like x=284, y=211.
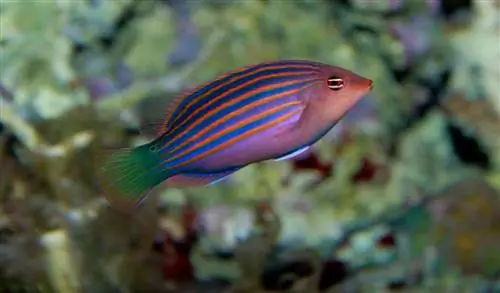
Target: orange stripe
x=228, y=117
x=233, y=128
x=241, y=137
x=187, y=93
x=237, y=112
x=236, y=78
x=232, y=102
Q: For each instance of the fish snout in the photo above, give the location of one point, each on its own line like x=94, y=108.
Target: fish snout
x=370, y=84
x=364, y=84
x=361, y=86
x=360, y=83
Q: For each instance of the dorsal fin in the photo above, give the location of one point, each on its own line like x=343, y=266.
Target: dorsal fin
x=159, y=126
x=175, y=103
x=153, y=128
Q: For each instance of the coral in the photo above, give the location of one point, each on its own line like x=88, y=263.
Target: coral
x=400, y=196
x=477, y=118
x=468, y=239
x=482, y=65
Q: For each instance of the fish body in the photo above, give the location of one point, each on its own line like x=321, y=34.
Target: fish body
x=194, y=180
x=273, y=110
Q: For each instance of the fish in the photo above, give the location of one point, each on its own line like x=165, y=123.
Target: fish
x=268, y=111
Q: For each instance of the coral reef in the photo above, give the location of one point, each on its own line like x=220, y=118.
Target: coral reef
x=401, y=196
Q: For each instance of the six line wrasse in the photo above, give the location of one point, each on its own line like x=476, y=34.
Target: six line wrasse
x=269, y=111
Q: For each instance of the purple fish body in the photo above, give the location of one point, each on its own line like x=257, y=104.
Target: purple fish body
x=260, y=112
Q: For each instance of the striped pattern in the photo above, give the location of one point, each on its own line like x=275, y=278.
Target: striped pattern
x=236, y=133
x=196, y=98
x=234, y=107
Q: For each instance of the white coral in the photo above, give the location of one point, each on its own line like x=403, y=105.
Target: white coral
x=480, y=46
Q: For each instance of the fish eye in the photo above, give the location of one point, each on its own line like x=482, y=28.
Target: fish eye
x=335, y=83
x=153, y=148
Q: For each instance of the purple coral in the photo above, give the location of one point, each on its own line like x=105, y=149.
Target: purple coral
x=100, y=87
x=414, y=36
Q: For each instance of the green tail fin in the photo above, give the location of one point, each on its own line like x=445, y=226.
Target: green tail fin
x=128, y=175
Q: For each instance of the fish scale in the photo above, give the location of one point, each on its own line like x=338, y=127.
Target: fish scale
x=249, y=126
x=230, y=80
x=245, y=97
x=213, y=101
x=235, y=114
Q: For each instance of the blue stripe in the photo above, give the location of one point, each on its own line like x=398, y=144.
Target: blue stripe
x=175, y=118
x=241, y=131
x=228, y=110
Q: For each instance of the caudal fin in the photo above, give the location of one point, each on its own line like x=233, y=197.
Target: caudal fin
x=128, y=175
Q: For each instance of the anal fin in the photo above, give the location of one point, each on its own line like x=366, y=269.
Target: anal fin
x=198, y=179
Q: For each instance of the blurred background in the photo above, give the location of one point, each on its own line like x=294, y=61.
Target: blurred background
x=402, y=196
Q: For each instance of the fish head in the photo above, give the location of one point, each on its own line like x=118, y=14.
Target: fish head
x=338, y=91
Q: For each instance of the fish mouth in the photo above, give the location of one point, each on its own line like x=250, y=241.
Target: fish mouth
x=370, y=84
x=363, y=84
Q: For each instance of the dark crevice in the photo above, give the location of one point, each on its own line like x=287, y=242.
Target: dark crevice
x=333, y=272
x=128, y=15
x=436, y=88
x=467, y=148
x=401, y=74
x=449, y=8
x=282, y=276
x=108, y=39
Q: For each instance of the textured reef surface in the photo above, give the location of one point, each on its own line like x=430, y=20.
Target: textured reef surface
x=403, y=195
